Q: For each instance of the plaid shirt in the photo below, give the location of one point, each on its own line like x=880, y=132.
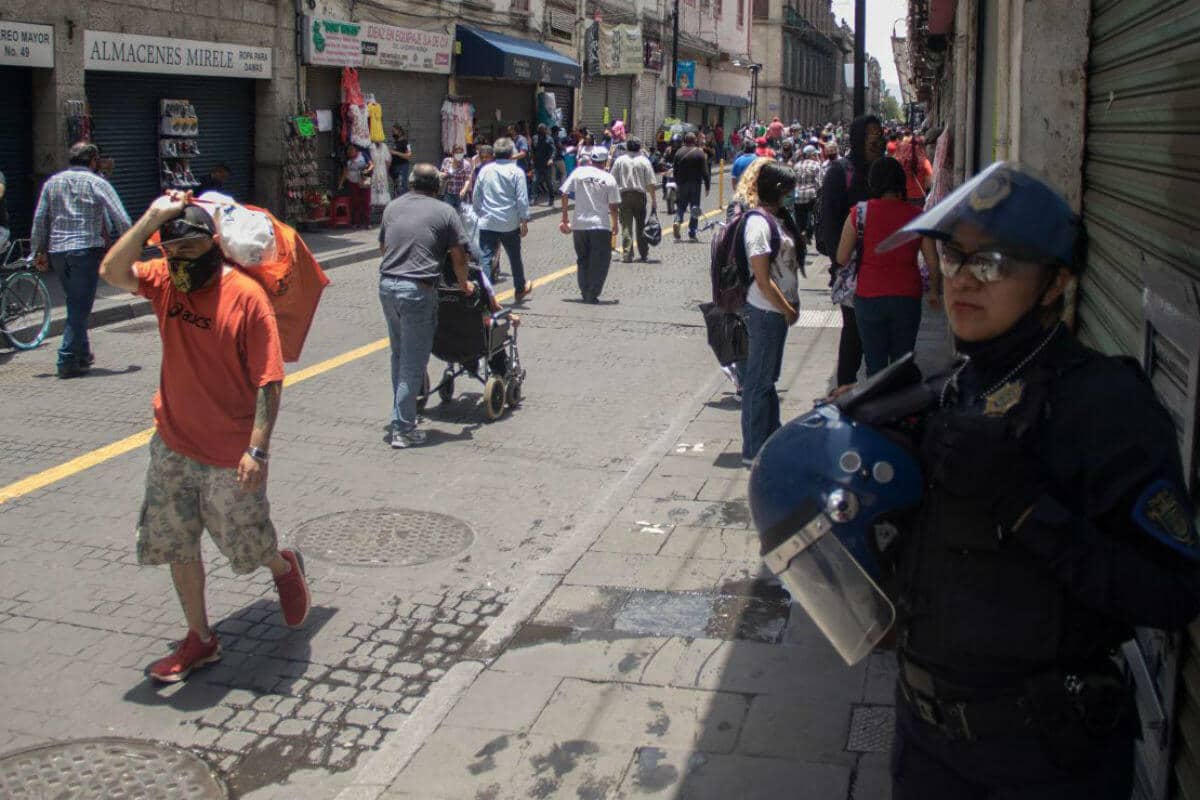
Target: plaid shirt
x=77, y=210
x=808, y=180
x=456, y=179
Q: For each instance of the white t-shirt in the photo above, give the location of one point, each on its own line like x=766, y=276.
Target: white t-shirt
x=594, y=191
x=756, y=233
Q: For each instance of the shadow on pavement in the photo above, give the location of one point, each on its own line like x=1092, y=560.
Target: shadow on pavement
x=259, y=654
x=94, y=372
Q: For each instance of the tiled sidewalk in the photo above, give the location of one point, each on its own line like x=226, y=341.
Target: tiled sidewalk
x=662, y=665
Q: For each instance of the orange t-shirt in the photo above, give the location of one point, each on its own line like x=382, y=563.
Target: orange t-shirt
x=220, y=344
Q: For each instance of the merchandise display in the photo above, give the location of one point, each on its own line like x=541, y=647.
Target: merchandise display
x=177, y=146
x=302, y=183
x=456, y=123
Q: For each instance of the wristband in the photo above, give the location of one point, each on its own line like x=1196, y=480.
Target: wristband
x=257, y=454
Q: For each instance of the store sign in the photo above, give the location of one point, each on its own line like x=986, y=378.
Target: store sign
x=126, y=52
x=333, y=43
x=620, y=49
x=685, y=78
x=24, y=45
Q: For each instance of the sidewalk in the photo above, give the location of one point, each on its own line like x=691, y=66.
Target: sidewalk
x=654, y=660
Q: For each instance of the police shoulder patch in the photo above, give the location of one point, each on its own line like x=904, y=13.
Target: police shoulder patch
x=1163, y=511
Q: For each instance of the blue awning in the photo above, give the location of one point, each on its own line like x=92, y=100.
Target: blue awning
x=488, y=54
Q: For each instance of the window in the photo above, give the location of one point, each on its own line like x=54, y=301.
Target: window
x=741, y=13
x=519, y=5
x=717, y=8
x=762, y=9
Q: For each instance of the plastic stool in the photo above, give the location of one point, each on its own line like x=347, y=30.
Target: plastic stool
x=339, y=212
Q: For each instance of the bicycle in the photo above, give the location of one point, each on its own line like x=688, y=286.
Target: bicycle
x=24, y=298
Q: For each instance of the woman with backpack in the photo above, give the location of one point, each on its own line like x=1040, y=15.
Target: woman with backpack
x=887, y=298
x=770, y=239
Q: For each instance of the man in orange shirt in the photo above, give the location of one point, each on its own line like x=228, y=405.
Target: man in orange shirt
x=218, y=397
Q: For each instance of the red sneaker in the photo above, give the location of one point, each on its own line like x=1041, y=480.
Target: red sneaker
x=191, y=654
x=293, y=590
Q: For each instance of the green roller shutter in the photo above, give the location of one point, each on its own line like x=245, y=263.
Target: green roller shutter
x=125, y=116
x=1139, y=296
x=16, y=148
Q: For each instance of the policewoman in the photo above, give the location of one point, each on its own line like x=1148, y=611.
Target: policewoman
x=1049, y=520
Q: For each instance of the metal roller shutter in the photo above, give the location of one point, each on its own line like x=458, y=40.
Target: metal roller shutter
x=594, y=97
x=1141, y=218
x=647, y=115
x=513, y=102
x=125, y=116
x=16, y=147
x=620, y=100
x=414, y=99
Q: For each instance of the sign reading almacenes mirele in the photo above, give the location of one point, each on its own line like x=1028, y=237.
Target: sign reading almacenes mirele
x=335, y=43
x=126, y=52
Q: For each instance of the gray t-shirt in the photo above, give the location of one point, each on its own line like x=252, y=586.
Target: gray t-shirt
x=417, y=233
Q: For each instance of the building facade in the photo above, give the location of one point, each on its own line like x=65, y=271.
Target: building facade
x=1096, y=98
x=796, y=42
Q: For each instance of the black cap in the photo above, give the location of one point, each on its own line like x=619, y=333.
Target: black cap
x=193, y=223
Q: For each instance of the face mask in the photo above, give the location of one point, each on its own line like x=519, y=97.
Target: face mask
x=457, y=156
x=188, y=275
x=787, y=201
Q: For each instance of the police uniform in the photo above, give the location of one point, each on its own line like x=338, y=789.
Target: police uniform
x=1053, y=521
x=1022, y=512
x=1006, y=631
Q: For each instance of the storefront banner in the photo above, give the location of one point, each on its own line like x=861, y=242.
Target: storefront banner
x=685, y=78
x=126, y=52
x=620, y=49
x=591, y=50
x=334, y=43
x=653, y=57
x=25, y=45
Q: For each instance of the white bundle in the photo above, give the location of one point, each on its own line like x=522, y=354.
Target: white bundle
x=247, y=237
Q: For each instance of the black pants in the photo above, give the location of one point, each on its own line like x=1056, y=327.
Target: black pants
x=850, y=350
x=928, y=766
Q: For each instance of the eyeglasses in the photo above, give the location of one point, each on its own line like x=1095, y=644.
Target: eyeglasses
x=986, y=266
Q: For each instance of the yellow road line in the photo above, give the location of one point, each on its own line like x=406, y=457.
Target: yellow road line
x=108, y=452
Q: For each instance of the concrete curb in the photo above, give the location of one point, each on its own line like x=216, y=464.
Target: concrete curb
x=128, y=307
x=377, y=774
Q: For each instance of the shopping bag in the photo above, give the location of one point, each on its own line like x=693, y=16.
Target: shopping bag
x=653, y=231
x=247, y=236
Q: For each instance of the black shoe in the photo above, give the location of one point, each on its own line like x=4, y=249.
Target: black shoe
x=72, y=371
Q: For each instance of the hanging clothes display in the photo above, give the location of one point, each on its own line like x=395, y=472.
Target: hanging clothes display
x=375, y=122
x=547, y=109
x=456, y=123
x=360, y=130
x=381, y=158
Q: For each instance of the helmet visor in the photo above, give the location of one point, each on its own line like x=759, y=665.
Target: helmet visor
x=833, y=589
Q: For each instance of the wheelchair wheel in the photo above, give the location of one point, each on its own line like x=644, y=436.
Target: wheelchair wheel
x=446, y=390
x=513, y=394
x=493, y=397
x=423, y=397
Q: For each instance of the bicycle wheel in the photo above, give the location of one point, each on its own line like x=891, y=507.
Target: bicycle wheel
x=24, y=310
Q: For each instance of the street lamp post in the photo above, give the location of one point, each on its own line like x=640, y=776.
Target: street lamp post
x=754, y=70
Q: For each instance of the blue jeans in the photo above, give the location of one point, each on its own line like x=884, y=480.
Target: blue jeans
x=411, y=313
x=888, y=328
x=80, y=272
x=760, y=401
x=489, y=241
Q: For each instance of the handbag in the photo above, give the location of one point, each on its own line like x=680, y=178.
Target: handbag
x=653, y=231
x=845, y=281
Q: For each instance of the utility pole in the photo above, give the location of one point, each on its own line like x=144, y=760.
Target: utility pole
x=860, y=57
x=671, y=88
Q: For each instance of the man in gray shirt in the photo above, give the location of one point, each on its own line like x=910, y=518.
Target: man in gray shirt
x=418, y=233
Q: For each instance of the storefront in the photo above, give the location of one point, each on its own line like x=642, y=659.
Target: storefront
x=24, y=48
x=502, y=76
x=607, y=99
x=708, y=108
x=167, y=111
x=404, y=69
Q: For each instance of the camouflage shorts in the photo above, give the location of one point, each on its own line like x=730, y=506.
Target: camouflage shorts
x=183, y=497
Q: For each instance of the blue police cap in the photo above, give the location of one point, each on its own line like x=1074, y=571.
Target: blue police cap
x=1020, y=213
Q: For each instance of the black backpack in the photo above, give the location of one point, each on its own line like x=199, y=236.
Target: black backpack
x=729, y=266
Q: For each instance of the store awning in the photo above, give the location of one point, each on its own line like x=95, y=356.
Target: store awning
x=487, y=54
x=705, y=97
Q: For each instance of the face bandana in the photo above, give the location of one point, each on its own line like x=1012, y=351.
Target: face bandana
x=188, y=275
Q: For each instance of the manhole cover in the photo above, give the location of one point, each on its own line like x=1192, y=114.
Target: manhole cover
x=383, y=537
x=106, y=769
x=871, y=729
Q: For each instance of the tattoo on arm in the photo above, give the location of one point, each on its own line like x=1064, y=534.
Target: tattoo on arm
x=265, y=412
